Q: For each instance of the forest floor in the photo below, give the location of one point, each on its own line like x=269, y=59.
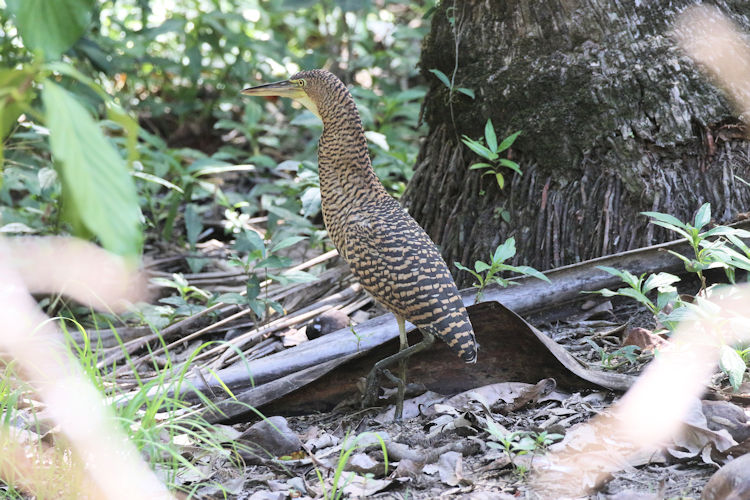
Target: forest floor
x=445, y=449
x=482, y=443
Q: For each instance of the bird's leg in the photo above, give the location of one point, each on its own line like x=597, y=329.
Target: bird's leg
x=370, y=396
x=401, y=384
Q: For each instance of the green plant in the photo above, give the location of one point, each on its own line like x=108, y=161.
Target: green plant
x=518, y=443
x=491, y=152
x=486, y=273
x=251, y=254
x=733, y=362
x=707, y=254
x=615, y=359
x=711, y=249
x=348, y=447
x=639, y=287
x=448, y=82
x=98, y=192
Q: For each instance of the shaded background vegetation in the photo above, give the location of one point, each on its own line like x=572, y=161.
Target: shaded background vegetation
x=178, y=67
x=161, y=79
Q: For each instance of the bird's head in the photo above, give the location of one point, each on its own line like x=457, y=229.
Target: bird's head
x=310, y=88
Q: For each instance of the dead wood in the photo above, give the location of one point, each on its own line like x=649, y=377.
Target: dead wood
x=505, y=338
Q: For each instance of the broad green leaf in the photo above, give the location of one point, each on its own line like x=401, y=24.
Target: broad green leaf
x=611, y=270
x=477, y=166
x=671, y=227
x=508, y=141
x=96, y=183
x=635, y=294
x=274, y=262
x=276, y=306
x=114, y=112
x=409, y=94
x=500, y=179
x=479, y=148
x=726, y=231
x=464, y=268
x=306, y=119
x=310, y=201
x=378, y=139
x=731, y=363
x=193, y=224
x=296, y=276
x=489, y=136
x=231, y=298
x=287, y=215
x=165, y=282
x=51, y=26
x=664, y=298
x=703, y=216
x=524, y=444
x=511, y=165
x=248, y=241
x=16, y=92
x=684, y=259
x=157, y=180
x=252, y=288
x=659, y=281
x=481, y=267
x=258, y=307
x=736, y=241
x=442, y=77
x=623, y=275
x=505, y=251
x=467, y=92
x=353, y=5
x=287, y=242
x=531, y=272
x=671, y=220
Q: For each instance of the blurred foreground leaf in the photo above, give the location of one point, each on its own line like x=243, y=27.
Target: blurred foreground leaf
x=97, y=187
x=51, y=26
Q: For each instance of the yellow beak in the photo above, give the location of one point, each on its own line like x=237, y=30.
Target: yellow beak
x=282, y=89
x=287, y=88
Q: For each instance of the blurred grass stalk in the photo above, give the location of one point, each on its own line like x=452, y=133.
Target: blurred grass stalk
x=104, y=463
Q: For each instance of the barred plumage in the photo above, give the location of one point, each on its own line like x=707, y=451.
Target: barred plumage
x=388, y=252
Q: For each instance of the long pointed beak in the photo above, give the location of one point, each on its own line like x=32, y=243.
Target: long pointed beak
x=281, y=89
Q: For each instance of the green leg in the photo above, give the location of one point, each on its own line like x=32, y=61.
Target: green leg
x=370, y=396
x=401, y=369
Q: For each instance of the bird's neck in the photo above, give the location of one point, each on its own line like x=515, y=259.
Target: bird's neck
x=343, y=158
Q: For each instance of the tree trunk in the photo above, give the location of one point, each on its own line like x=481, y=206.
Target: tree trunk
x=615, y=120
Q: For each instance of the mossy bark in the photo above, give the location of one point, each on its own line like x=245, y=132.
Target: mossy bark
x=615, y=120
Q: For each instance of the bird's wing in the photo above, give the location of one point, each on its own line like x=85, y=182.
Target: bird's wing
x=395, y=260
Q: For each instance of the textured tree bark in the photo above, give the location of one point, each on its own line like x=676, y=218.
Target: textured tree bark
x=615, y=120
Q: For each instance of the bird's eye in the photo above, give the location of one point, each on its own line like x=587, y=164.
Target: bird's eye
x=301, y=82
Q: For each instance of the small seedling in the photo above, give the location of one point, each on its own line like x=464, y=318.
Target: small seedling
x=638, y=288
x=615, y=359
x=349, y=446
x=488, y=272
x=447, y=82
x=519, y=443
x=491, y=152
x=708, y=254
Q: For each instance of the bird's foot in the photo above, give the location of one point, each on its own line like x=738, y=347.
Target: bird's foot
x=399, y=411
x=371, y=393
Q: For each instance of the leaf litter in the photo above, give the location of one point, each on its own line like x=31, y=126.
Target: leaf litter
x=444, y=446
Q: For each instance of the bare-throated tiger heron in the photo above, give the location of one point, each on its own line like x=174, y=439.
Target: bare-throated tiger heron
x=391, y=256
